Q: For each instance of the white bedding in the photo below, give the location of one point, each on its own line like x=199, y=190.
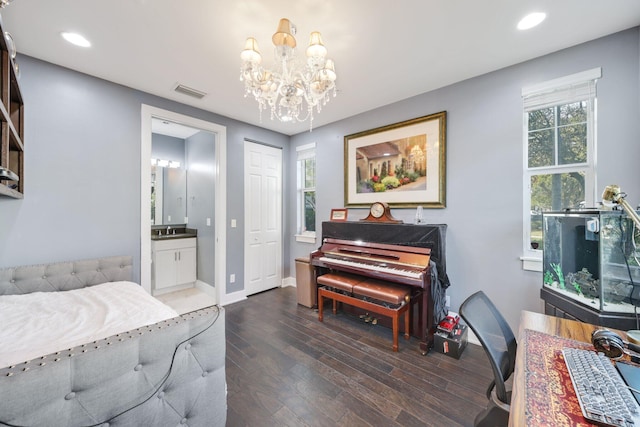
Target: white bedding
x=41, y=323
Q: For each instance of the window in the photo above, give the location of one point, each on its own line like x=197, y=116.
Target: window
x=559, y=146
x=306, y=212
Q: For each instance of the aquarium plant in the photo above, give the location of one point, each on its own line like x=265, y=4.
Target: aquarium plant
x=558, y=270
x=577, y=287
x=548, y=278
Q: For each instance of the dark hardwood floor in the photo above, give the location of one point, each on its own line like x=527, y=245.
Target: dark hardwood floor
x=285, y=368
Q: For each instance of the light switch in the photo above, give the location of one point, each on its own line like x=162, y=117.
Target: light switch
x=208, y=222
x=233, y=223
x=232, y=278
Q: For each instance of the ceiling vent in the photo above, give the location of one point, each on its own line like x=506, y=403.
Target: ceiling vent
x=189, y=91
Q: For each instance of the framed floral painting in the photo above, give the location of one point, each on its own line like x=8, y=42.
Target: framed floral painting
x=403, y=164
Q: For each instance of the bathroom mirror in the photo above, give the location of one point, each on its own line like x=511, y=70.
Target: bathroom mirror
x=168, y=195
x=169, y=172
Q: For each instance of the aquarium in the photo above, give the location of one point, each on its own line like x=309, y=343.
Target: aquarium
x=590, y=267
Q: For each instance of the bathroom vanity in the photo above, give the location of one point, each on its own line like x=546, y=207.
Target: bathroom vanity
x=173, y=258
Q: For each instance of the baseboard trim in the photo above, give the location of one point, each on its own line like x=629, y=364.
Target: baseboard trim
x=168, y=290
x=233, y=297
x=207, y=289
x=288, y=282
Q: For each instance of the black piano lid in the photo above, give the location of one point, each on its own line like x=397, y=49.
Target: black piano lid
x=432, y=236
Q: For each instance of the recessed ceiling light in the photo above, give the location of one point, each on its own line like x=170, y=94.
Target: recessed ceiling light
x=531, y=20
x=76, y=39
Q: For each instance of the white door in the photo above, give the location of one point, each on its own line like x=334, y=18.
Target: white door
x=263, y=217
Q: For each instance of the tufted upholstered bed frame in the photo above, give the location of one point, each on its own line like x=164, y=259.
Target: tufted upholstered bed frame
x=167, y=374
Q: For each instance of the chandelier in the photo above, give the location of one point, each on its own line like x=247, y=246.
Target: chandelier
x=294, y=87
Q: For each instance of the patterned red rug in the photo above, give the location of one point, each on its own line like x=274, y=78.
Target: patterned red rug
x=551, y=400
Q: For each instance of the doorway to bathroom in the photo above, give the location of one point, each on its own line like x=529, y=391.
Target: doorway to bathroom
x=199, y=196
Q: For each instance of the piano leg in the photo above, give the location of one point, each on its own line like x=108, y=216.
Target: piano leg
x=407, y=323
x=425, y=321
x=395, y=332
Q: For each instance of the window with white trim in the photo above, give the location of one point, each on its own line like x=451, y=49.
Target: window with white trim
x=306, y=178
x=559, y=151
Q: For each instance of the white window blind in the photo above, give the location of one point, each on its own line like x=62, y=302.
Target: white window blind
x=306, y=151
x=565, y=90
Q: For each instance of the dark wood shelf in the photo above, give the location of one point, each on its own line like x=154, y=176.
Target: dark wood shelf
x=8, y=192
x=12, y=122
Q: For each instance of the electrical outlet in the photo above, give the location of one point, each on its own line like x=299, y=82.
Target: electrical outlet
x=232, y=278
x=447, y=301
x=208, y=222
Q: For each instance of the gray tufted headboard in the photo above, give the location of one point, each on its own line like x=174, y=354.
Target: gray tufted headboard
x=64, y=276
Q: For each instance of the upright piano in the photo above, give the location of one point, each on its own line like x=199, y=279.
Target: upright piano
x=406, y=254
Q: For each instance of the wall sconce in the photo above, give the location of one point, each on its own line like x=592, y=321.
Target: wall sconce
x=165, y=163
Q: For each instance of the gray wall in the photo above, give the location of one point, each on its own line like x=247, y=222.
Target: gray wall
x=201, y=155
x=168, y=148
x=82, y=171
x=484, y=163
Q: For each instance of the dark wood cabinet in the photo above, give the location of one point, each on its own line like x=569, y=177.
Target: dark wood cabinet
x=12, y=121
x=558, y=305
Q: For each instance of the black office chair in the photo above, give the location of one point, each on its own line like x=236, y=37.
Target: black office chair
x=499, y=343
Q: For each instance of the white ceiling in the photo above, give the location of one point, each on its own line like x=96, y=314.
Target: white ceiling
x=384, y=51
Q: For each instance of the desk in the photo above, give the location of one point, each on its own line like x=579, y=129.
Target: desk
x=564, y=328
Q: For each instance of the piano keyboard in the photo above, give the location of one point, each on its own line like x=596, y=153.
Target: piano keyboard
x=374, y=267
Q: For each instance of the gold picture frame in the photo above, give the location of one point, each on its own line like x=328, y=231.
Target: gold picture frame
x=410, y=157
x=339, y=214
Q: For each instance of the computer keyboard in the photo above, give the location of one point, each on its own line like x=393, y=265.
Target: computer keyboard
x=603, y=395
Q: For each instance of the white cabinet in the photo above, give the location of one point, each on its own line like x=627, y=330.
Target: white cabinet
x=174, y=263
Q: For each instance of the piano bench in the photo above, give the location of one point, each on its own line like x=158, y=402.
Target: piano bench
x=343, y=281
x=382, y=291
x=383, y=295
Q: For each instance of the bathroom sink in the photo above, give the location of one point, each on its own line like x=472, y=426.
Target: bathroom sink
x=172, y=232
x=173, y=236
